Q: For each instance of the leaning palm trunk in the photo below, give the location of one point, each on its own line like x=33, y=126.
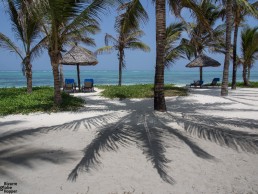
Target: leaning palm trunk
x=234, y=73
x=159, y=98
x=224, y=87
x=54, y=58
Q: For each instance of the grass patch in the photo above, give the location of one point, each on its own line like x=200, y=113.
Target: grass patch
x=139, y=91
x=16, y=100
x=241, y=85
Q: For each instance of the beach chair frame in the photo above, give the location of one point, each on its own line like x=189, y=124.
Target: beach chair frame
x=88, y=85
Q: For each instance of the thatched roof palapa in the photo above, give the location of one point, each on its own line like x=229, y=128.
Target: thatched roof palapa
x=79, y=55
x=203, y=61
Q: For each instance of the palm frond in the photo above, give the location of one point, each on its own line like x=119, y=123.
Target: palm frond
x=249, y=47
x=110, y=39
x=105, y=49
x=37, y=50
x=251, y=8
x=177, y=6
x=90, y=14
x=7, y=44
x=81, y=35
x=188, y=48
x=16, y=24
x=173, y=54
x=134, y=14
x=173, y=32
x=133, y=35
x=138, y=45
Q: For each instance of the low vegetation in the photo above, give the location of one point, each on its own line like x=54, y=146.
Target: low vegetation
x=241, y=85
x=139, y=91
x=16, y=100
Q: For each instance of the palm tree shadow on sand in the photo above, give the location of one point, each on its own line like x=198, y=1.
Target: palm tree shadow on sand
x=149, y=131
x=27, y=157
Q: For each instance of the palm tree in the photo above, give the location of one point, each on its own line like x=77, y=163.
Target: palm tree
x=172, y=52
x=239, y=13
x=27, y=31
x=66, y=21
x=249, y=48
x=127, y=26
x=129, y=40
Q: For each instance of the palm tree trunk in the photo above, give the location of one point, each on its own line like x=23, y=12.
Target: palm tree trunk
x=245, y=66
x=54, y=57
x=159, y=98
x=234, y=73
x=224, y=87
x=201, y=73
x=121, y=54
x=248, y=74
x=61, y=76
x=28, y=72
x=78, y=77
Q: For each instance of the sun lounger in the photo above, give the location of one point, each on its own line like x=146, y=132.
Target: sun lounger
x=197, y=83
x=213, y=83
x=88, y=85
x=69, y=85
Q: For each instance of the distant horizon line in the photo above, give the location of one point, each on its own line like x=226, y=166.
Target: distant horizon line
x=111, y=70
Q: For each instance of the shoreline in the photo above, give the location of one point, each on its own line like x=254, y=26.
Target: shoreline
x=110, y=77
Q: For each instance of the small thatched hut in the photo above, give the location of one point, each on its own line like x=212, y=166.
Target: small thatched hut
x=203, y=61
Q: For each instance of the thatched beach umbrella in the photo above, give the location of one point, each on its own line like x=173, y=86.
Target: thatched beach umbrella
x=79, y=56
x=203, y=61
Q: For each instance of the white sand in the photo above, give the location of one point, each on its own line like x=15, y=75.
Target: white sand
x=39, y=151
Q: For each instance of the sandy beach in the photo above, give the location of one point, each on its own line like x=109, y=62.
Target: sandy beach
x=205, y=143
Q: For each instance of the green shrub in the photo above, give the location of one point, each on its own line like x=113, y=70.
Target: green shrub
x=16, y=100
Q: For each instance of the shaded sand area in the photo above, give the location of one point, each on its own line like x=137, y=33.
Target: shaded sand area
x=203, y=144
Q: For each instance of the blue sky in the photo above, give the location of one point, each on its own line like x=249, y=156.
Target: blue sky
x=135, y=60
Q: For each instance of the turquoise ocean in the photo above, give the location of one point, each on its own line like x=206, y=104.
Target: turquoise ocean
x=110, y=77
